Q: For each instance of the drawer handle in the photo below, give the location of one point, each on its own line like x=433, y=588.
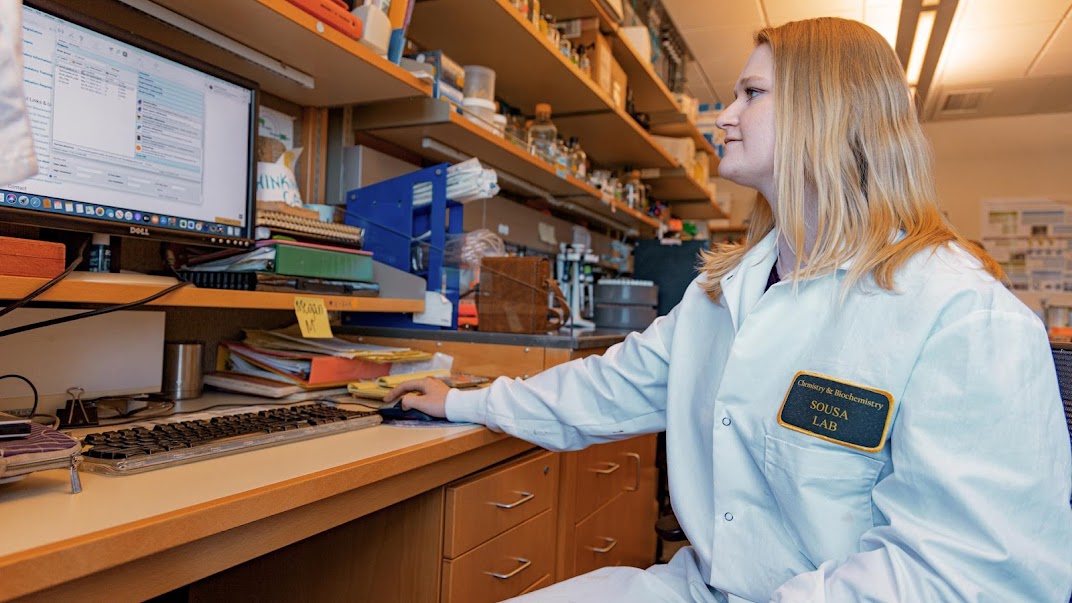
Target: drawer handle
x=611, y=468
x=636, y=485
x=611, y=543
x=524, y=563
x=525, y=497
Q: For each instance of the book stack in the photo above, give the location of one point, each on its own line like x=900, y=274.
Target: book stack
x=287, y=266
x=280, y=364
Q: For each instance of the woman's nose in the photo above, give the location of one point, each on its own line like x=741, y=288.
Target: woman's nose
x=727, y=117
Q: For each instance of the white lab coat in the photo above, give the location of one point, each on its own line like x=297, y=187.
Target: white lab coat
x=967, y=500
x=17, y=159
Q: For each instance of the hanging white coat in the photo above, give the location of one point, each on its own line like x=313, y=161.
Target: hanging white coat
x=898, y=446
x=17, y=158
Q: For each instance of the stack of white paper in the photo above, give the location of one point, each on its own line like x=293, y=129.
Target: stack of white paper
x=466, y=181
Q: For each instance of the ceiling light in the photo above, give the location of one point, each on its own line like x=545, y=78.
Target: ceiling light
x=924, y=27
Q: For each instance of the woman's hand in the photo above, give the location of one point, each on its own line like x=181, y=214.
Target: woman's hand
x=428, y=395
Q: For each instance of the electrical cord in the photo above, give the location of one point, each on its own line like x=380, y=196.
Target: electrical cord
x=97, y=312
x=33, y=409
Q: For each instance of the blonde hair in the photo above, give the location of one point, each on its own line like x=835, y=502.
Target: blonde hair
x=846, y=129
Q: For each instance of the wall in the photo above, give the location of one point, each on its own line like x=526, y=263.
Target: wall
x=1022, y=156
x=974, y=159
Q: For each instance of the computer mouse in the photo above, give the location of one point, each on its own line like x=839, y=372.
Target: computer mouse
x=395, y=412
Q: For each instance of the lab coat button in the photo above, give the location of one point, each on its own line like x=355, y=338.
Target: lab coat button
x=728, y=516
x=726, y=421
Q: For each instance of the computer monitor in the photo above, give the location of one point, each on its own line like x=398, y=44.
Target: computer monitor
x=132, y=138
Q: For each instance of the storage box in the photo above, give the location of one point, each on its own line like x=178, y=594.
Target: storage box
x=599, y=54
x=26, y=257
x=618, y=82
x=513, y=294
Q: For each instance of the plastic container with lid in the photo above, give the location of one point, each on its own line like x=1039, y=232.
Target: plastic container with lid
x=481, y=112
x=479, y=82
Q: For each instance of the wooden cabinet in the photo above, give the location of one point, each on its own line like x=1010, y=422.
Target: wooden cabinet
x=503, y=567
x=607, y=507
x=497, y=522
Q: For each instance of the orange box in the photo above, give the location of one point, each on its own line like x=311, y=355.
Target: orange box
x=26, y=257
x=332, y=14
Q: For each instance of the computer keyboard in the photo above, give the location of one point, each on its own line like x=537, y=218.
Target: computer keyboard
x=142, y=448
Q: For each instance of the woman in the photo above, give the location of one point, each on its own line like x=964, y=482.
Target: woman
x=855, y=408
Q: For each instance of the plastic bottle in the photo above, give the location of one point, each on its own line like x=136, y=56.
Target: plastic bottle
x=583, y=61
x=543, y=135
x=563, y=156
x=100, y=254
x=632, y=189
x=578, y=160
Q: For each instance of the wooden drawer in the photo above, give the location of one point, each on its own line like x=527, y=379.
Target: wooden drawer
x=606, y=470
x=520, y=558
x=485, y=505
x=542, y=583
x=621, y=533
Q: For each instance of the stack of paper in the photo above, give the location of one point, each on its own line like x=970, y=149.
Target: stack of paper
x=466, y=181
x=376, y=389
x=273, y=363
x=290, y=339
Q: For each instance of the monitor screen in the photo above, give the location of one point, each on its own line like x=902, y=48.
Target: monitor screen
x=130, y=141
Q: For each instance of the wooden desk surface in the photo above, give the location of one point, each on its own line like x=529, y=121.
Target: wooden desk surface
x=142, y=535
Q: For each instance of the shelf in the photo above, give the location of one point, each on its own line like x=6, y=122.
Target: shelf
x=423, y=125
x=608, y=143
x=676, y=124
x=650, y=93
x=15, y=287
x=705, y=209
x=529, y=70
x=564, y=10
x=674, y=185
x=1035, y=299
x=344, y=71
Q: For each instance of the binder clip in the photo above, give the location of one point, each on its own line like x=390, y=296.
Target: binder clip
x=78, y=412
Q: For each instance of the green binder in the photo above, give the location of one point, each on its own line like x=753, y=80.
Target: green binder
x=320, y=261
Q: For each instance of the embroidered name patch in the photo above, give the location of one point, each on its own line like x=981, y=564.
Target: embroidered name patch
x=839, y=412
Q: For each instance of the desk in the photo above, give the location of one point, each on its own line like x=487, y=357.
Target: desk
x=134, y=537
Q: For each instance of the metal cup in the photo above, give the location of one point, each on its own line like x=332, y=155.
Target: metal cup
x=182, y=369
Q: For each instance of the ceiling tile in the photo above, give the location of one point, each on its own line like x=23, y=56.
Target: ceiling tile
x=883, y=18
x=1062, y=37
x=1052, y=63
x=694, y=14
x=1002, y=13
x=973, y=56
x=781, y=11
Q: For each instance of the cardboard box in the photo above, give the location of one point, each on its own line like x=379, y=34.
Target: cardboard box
x=600, y=55
x=27, y=257
x=618, y=84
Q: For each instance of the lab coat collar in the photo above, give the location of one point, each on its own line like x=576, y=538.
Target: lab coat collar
x=742, y=286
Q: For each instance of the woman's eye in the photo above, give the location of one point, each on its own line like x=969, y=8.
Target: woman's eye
x=751, y=93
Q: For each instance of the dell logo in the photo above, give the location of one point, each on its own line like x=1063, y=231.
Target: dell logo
x=138, y=230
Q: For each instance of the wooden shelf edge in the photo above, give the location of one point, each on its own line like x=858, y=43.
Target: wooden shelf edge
x=354, y=47
x=637, y=65
x=15, y=287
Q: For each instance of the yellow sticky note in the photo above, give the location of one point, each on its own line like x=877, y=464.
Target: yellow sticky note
x=312, y=317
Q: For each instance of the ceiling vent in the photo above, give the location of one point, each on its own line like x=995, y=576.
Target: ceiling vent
x=962, y=103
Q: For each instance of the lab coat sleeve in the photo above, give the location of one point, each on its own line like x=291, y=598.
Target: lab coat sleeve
x=583, y=402
x=978, y=500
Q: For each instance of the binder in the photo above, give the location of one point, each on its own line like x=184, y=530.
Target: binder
x=300, y=368
x=293, y=259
